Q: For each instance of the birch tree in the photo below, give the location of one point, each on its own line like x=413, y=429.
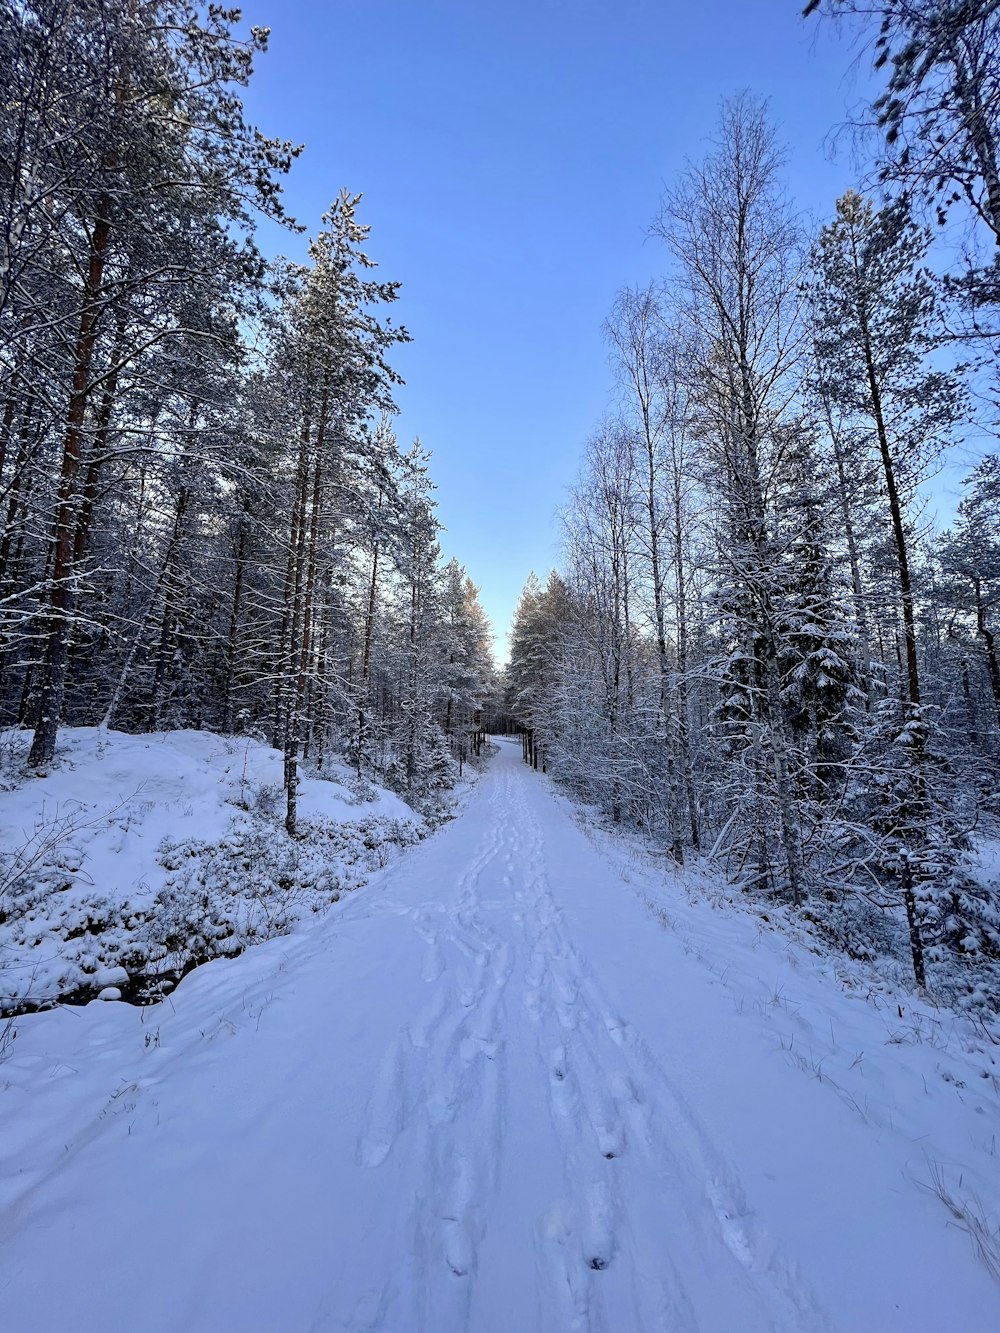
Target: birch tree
x=736, y=245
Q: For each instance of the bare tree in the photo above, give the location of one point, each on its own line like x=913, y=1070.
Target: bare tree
x=737, y=249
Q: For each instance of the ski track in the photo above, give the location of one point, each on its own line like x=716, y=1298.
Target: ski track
x=607, y=1261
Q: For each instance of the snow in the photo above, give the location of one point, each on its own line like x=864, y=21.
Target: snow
x=525, y=1081
x=127, y=839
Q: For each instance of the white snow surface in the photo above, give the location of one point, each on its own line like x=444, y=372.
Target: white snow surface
x=191, y=816
x=522, y=1083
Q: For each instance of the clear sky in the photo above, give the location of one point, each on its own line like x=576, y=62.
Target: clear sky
x=511, y=158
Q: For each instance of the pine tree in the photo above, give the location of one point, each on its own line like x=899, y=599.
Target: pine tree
x=942, y=65
x=818, y=653
x=141, y=174
x=875, y=310
x=940, y=60
x=334, y=355
x=468, y=661
x=421, y=765
x=534, y=676
x=970, y=560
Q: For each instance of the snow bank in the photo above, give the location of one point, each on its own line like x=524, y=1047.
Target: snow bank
x=136, y=857
x=919, y=1078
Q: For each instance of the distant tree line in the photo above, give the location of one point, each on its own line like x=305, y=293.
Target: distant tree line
x=754, y=650
x=205, y=518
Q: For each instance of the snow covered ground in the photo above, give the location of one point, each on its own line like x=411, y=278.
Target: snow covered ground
x=523, y=1082
x=135, y=856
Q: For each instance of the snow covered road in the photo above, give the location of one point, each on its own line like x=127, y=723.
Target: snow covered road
x=490, y=1094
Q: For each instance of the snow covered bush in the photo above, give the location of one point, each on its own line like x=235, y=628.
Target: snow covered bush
x=102, y=890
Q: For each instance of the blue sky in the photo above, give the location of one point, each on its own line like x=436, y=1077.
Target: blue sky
x=511, y=158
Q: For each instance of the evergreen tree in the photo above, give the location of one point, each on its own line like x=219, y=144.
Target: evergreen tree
x=970, y=560
x=139, y=172
x=334, y=355
x=875, y=310
x=468, y=661
x=818, y=651
x=940, y=61
x=421, y=765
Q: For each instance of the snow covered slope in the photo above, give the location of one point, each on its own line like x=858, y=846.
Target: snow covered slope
x=517, y=1084
x=136, y=856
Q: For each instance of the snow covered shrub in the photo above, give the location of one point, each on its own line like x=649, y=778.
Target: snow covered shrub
x=11, y=756
x=63, y=940
x=362, y=792
x=265, y=800
x=856, y=924
x=423, y=773
x=216, y=899
x=903, y=841
x=219, y=898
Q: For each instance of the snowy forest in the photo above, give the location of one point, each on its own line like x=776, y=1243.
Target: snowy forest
x=759, y=648
x=352, y=979
x=207, y=519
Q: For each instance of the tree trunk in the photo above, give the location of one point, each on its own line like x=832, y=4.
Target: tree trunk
x=857, y=591
x=909, y=625
x=366, y=657
x=172, y=589
x=683, y=704
x=234, y=625
x=989, y=641
x=61, y=597
x=294, y=647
